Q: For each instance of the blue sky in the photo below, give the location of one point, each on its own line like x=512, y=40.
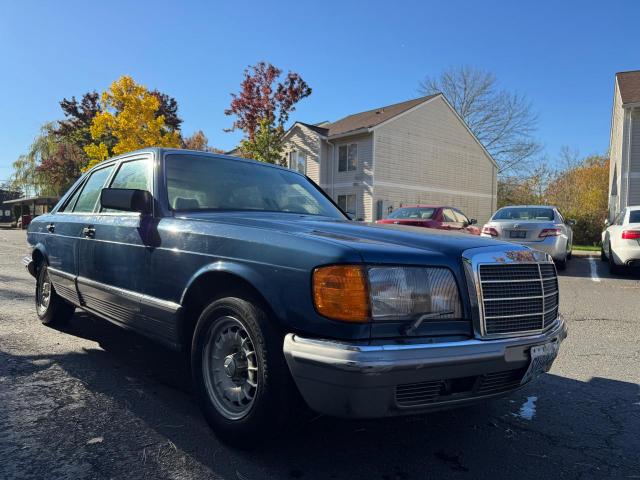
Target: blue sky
x=355, y=55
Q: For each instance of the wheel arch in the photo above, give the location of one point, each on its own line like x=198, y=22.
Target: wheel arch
x=216, y=280
x=38, y=255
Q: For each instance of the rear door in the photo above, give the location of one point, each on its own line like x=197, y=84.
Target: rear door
x=60, y=239
x=112, y=251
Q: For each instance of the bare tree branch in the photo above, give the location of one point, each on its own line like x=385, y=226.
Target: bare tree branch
x=503, y=121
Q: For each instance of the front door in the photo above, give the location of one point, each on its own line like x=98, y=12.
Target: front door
x=450, y=220
x=112, y=251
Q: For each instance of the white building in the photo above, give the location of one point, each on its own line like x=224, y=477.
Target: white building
x=624, y=146
x=415, y=152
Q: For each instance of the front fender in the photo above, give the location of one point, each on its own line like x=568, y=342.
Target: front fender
x=246, y=273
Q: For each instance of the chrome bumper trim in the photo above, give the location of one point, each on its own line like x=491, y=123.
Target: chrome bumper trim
x=29, y=264
x=380, y=358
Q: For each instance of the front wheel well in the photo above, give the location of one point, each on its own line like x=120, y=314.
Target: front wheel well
x=38, y=259
x=209, y=287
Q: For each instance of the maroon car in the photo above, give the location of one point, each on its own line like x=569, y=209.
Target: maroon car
x=433, y=216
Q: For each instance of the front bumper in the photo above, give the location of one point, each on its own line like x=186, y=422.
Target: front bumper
x=365, y=380
x=29, y=264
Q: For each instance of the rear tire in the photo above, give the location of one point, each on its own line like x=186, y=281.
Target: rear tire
x=603, y=256
x=51, y=308
x=240, y=376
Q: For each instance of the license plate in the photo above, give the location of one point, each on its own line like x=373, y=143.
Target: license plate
x=517, y=234
x=542, y=356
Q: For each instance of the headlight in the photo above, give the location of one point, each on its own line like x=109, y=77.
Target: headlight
x=355, y=293
x=405, y=293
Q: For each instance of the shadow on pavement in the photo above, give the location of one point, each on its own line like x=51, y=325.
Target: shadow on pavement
x=578, y=427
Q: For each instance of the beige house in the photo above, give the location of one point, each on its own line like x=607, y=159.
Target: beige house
x=415, y=152
x=624, y=146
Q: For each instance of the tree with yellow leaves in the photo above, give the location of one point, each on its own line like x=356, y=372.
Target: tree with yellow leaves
x=127, y=121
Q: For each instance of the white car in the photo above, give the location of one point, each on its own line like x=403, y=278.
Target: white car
x=621, y=240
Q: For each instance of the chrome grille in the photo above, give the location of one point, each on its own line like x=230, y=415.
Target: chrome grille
x=518, y=297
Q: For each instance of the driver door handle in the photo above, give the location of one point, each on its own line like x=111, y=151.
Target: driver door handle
x=89, y=232
x=51, y=228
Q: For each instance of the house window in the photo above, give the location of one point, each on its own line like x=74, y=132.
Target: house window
x=298, y=162
x=348, y=203
x=348, y=157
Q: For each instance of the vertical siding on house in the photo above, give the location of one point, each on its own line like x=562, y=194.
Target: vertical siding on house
x=428, y=156
x=615, y=152
x=306, y=141
x=358, y=181
x=634, y=159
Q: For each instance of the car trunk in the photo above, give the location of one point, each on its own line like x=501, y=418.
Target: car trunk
x=522, y=231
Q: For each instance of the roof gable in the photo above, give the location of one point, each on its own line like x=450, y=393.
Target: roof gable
x=629, y=86
x=371, y=118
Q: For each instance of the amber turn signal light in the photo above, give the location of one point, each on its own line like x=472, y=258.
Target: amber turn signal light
x=340, y=293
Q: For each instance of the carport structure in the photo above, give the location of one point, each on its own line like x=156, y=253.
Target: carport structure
x=29, y=205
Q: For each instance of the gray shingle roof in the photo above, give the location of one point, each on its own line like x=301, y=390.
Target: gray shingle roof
x=371, y=118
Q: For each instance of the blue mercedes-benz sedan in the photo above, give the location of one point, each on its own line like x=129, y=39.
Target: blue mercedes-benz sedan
x=277, y=295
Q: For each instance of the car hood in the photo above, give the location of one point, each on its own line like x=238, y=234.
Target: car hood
x=375, y=242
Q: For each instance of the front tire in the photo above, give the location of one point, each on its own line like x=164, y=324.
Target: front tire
x=51, y=308
x=239, y=372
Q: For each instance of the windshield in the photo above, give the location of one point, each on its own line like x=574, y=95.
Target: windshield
x=524, y=213
x=413, y=212
x=211, y=183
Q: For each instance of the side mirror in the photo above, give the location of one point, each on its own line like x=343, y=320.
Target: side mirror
x=127, y=200
x=473, y=221
x=571, y=222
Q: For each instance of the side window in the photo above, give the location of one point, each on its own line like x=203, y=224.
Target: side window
x=135, y=174
x=461, y=217
x=298, y=162
x=448, y=215
x=347, y=203
x=348, y=157
x=91, y=190
x=68, y=207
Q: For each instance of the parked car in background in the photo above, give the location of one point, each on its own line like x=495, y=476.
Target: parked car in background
x=433, y=216
x=621, y=240
x=537, y=226
x=273, y=297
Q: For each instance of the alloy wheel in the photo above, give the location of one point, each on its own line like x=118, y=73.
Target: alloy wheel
x=230, y=368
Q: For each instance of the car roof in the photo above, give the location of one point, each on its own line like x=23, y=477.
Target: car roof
x=633, y=208
x=528, y=206
x=160, y=151
x=424, y=206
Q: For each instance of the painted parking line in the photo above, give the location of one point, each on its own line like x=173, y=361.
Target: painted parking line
x=594, y=269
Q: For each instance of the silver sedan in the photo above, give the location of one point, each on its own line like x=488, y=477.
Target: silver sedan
x=537, y=226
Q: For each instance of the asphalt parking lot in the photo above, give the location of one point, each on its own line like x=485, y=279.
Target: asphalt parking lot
x=94, y=402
